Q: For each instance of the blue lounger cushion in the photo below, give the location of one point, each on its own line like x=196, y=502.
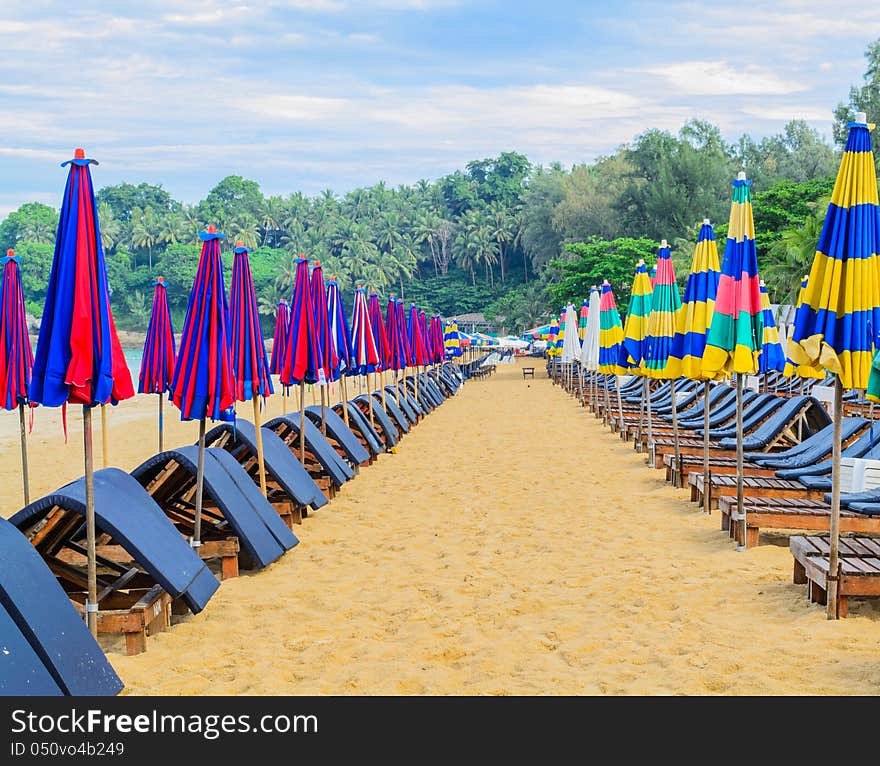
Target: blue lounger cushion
x=811, y=449
x=46, y=647
x=335, y=425
x=336, y=468
x=125, y=511
x=359, y=423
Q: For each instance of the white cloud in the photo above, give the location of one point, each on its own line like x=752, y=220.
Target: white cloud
x=698, y=78
x=785, y=112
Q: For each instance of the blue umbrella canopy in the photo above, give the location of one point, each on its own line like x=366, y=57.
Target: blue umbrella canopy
x=79, y=358
x=301, y=361
x=366, y=357
x=250, y=366
x=202, y=386
x=339, y=331
x=157, y=362
x=16, y=358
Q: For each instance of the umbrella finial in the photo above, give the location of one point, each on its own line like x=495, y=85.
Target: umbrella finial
x=10, y=252
x=663, y=243
x=239, y=243
x=862, y=117
x=212, y=229
x=640, y=263
x=160, y=280
x=317, y=264
x=79, y=154
x=706, y=222
x=741, y=176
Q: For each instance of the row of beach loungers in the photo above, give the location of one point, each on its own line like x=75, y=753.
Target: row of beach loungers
x=787, y=442
x=147, y=569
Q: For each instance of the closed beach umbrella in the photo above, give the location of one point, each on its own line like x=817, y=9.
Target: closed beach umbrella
x=157, y=362
x=737, y=329
x=571, y=345
x=79, y=359
x=327, y=358
x=658, y=361
x=203, y=386
x=694, y=320
x=340, y=336
x=772, y=356
x=16, y=357
x=418, y=353
x=836, y=325
x=635, y=329
x=551, y=338
x=610, y=339
x=374, y=309
x=590, y=347
x=250, y=366
x=301, y=363
x=366, y=356
x=452, y=340
x=396, y=350
x=582, y=320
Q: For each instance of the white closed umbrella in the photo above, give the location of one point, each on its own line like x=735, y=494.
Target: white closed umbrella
x=571, y=344
x=590, y=347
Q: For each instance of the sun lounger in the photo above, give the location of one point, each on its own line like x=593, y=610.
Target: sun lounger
x=864, y=447
x=150, y=563
x=232, y=503
x=780, y=423
x=755, y=412
x=403, y=416
x=340, y=435
x=317, y=447
x=291, y=490
x=812, y=448
x=361, y=428
x=386, y=427
x=45, y=647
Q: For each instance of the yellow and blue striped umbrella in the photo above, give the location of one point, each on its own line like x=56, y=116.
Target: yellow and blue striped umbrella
x=610, y=333
x=582, y=321
x=452, y=340
x=737, y=328
x=698, y=305
x=792, y=369
x=658, y=361
x=632, y=352
x=552, y=349
x=772, y=355
x=836, y=325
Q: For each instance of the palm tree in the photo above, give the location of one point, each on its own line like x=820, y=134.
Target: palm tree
x=499, y=225
x=425, y=229
x=244, y=227
x=190, y=223
x=792, y=256
x=518, y=230
x=169, y=229
x=271, y=215
x=110, y=226
x=143, y=230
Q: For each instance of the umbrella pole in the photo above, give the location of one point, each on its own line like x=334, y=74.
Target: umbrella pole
x=650, y=417
x=302, y=423
x=638, y=441
x=104, y=436
x=706, y=507
x=24, y=459
x=91, y=563
x=370, y=400
x=606, y=420
x=833, y=584
x=260, y=460
x=382, y=379
x=283, y=398
x=200, y=485
x=619, y=407
x=161, y=424
x=324, y=396
x=677, y=456
x=314, y=398
x=740, y=508
x=344, y=400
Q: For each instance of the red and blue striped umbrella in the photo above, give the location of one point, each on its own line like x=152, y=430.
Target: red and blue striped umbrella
x=437, y=332
x=379, y=334
x=16, y=358
x=279, y=339
x=250, y=366
x=366, y=356
x=418, y=354
x=301, y=362
x=402, y=330
x=340, y=334
x=396, y=347
x=202, y=386
x=79, y=358
x=157, y=362
x=327, y=358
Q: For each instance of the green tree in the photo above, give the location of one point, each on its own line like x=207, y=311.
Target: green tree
x=32, y=222
x=861, y=99
x=231, y=197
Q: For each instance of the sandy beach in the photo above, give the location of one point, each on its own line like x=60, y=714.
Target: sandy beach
x=511, y=546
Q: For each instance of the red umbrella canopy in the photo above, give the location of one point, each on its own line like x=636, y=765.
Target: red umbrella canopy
x=279, y=339
x=396, y=347
x=366, y=357
x=16, y=358
x=157, y=362
x=301, y=361
x=79, y=358
x=250, y=367
x=328, y=359
x=202, y=386
x=379, y=335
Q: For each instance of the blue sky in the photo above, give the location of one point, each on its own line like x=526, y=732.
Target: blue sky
x=314, y=94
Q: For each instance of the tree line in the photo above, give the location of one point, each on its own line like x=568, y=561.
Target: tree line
x=503, y=236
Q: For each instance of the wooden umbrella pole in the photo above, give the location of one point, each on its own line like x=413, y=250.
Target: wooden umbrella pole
x=397, y=389
x=302, y=422
x=91, y=563
x=677, y=455
x=324, y=395
x=344, y=394
x=706, y=507
x=370, y=400
x=260, y=460
x=638, y=440
x=833, y=585
x=740, y=508
x=161, y=425
x=283, y=398
x=104, y=435
x=650, y=449
x=382, y=382
x=607, y=418
x=620, y=407
x=200, y=486
x=314, y=398
x=24, y=458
